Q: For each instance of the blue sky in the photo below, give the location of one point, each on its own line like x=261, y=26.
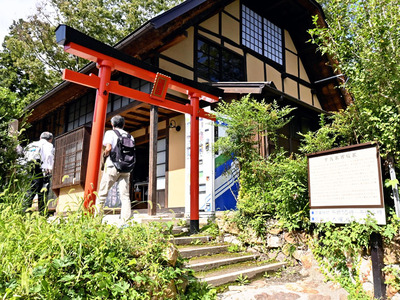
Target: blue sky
x=13, y=10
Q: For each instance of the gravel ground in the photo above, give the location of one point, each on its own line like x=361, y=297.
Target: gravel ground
x=290, y=284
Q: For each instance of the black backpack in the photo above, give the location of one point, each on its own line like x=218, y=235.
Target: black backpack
x=123, y=155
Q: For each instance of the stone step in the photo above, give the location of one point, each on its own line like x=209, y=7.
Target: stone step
x=160, y=219
x=187, y=240
x=194, y=251
x=180, y=229
x=113, y=220
x=232, y=275
x=218, y=262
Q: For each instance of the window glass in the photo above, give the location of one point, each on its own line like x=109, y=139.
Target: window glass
x=71, y=154
x=261, y=36
x=161, y=183
x=80, y=112
x=161, y=145
x=161, y=163
x=214, y=63
x=161, y=157
x=89, y=117
x=125, y=101
x=161, y=170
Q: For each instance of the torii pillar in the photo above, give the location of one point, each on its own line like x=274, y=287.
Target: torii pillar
x=194, y=164
x=108, y=59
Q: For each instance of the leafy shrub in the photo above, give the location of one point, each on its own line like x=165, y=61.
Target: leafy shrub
x=78, y=257
x=335, y=131
x=392, y=273
x=249, y=122
x=338, y=249
x=11, y=108
x=270, y=187
x=275, y=188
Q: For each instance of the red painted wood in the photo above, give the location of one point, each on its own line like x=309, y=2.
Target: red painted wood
x=104, y=86
x=96, y=138
x=194, y=158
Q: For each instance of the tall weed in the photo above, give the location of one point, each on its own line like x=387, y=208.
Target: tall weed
x=275, y=188
x=78, y=257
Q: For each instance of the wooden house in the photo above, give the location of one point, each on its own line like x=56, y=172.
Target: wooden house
x=238, y=46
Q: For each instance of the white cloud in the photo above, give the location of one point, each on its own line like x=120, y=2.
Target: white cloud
x=13, y=10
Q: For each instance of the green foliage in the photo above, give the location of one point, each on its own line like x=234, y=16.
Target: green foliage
x=364, y=41
x=338, y=250
x=78, y=257
x=34, y=61
x=210, y=228
x=274, y=188
x=271, y=187
x=108, y=20
x=13, y=77
x=31, y=62
x=11, y=108
x=337, y=130
x=242, y=280
x=274, y=274
x=249, y=121
x=394, y=277
x=234, y=248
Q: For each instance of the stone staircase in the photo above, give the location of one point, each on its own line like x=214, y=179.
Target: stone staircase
x=214, y=264
x=211, y=260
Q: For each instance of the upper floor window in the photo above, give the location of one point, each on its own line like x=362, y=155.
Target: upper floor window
x=80, y=112
x=261, y=36
x=215, y=63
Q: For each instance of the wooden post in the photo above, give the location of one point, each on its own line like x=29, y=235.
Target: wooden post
x=377, y=265
x=194, y=165
x=152, y=190
x=96, y=138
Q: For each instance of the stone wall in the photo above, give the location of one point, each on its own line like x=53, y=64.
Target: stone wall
x=281, y=246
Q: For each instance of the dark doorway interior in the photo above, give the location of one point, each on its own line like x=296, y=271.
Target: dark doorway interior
x=140, y=177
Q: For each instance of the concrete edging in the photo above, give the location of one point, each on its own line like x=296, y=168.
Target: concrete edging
x=205, y=266
x=250, y=273
x=201, y=251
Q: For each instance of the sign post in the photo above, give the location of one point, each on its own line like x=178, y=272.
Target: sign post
x=377, y=254
x=345, y=185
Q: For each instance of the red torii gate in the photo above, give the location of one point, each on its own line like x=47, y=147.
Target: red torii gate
x=109, y=59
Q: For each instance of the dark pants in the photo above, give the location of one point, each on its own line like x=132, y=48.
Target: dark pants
x=38, y=181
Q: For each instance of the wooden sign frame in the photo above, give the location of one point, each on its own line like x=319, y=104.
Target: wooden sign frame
x=345, y=184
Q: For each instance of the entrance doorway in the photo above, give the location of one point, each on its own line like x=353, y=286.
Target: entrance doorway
x=140, y=176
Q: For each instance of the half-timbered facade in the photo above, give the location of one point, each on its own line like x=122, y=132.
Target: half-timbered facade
x=239, y=46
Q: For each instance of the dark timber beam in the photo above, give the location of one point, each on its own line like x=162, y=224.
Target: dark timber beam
x=152, y=190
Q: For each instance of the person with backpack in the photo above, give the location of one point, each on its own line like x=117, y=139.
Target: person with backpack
x=120, y=160
x=39, y=159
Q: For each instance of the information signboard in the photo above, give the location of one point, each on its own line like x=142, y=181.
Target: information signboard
x=345, y=184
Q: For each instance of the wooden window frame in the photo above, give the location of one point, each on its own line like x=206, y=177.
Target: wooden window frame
x=71, y=156
x=215, y=63
x=262, y=36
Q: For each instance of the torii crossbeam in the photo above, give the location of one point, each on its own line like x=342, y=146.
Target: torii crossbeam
x=109, y=59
